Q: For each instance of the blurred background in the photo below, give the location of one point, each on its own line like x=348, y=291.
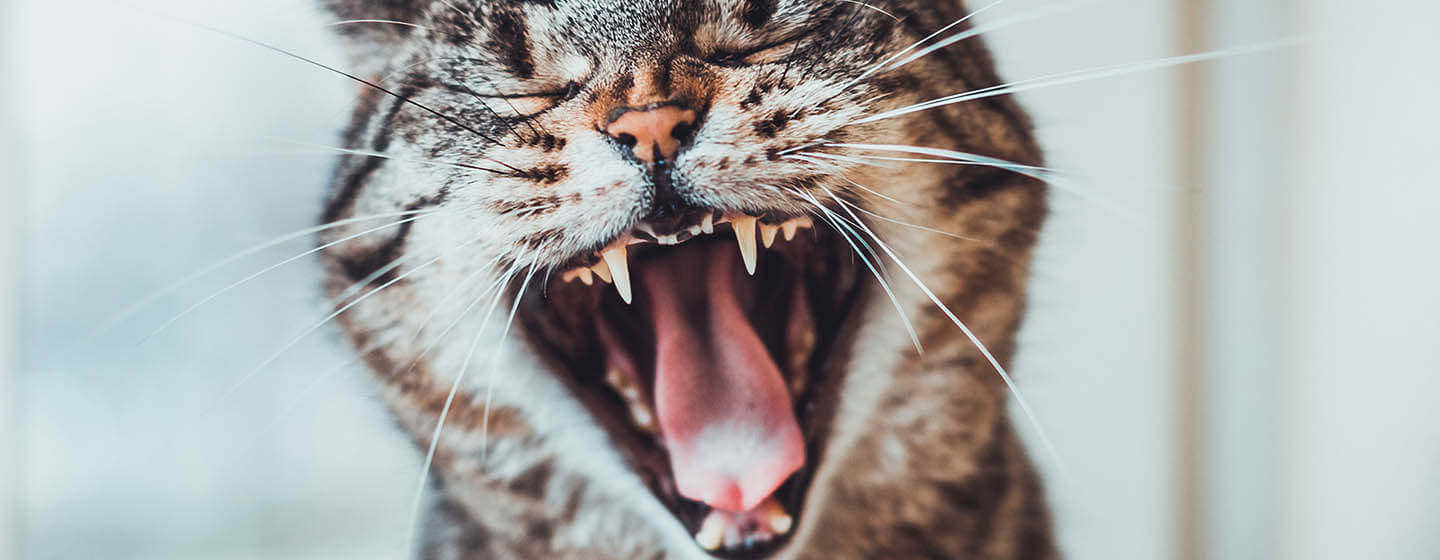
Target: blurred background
x=1231, y=343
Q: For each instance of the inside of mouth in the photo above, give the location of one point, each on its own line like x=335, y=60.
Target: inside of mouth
x=714, y=374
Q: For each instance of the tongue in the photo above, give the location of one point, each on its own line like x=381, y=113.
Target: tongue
x=723, y=407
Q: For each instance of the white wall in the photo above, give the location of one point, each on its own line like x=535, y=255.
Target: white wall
x=9, y=194
x=1097, y=350
x=1360, y=428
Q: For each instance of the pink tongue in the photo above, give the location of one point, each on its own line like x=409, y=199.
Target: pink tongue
x=724, y=410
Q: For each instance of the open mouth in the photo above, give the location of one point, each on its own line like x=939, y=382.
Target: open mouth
x=707, y=347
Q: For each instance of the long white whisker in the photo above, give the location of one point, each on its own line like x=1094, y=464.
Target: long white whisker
x=883, y=63
x=910, y=225
x=983, y=29
x=1048, y=175
x=449, y=401
x=859, y=3
x=1041, y=173
x=857, y=160
x=495, y=360
x=496, y=285
x=152, y=297
x=316, y=326
x=1076, y=76
x=870, y=160
x=384, y=21
x=974, y=339
x=840, y=227
x=374, y=154
x=222, y=291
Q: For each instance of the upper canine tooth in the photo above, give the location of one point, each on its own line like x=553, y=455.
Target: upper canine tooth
x=745, y=233
x=707, y=225
x=615, y=258
x=767, y=234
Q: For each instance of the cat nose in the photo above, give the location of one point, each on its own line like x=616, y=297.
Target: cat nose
x=653, y=134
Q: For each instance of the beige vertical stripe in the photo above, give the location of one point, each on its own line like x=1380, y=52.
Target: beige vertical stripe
x=1192, y=30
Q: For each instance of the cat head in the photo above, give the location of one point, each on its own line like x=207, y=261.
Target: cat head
x=667, y=204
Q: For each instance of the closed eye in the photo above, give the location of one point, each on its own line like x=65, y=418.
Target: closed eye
x=526, y=104
x=763, y=54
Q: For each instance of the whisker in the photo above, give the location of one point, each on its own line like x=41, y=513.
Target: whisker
x=1037, y=172
x=497, y=284
x=368, y=153
x=840, y=227
x=857, y=160
x=1048, y=175
x=495, y=360
x=382, y=21
x=916, y=226
x=357, y=79
x=974, y=339
x=155, y=296
x=445, y=408
x=1074, y=76
x=887, y=14
x=837, y=168
x=1038, y=13
x=883, y=63
x=318, y=324
x=222, y=291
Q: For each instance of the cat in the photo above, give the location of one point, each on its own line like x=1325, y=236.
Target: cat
x=663, y=269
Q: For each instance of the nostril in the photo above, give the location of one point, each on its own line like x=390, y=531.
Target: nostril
x=626, y=139
x=682, y=131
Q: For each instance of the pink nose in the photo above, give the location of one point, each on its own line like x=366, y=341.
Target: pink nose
x=654, y=134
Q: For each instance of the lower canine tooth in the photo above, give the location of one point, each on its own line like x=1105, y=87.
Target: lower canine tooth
x=744, y=227
x=712, y=531
x=781, y=522
x=615, y=258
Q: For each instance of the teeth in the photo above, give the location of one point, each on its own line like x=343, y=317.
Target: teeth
x=615, y=259
x=731, y=530
x=602, y=270
x=642, y=417
x=767, y=234
x=712, y=532
x=613, y=266
x=639, y=411
x=791, y=226
x=780, y=522
x=745, y=233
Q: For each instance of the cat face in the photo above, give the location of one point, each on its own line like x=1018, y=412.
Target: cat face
x=638, y=270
